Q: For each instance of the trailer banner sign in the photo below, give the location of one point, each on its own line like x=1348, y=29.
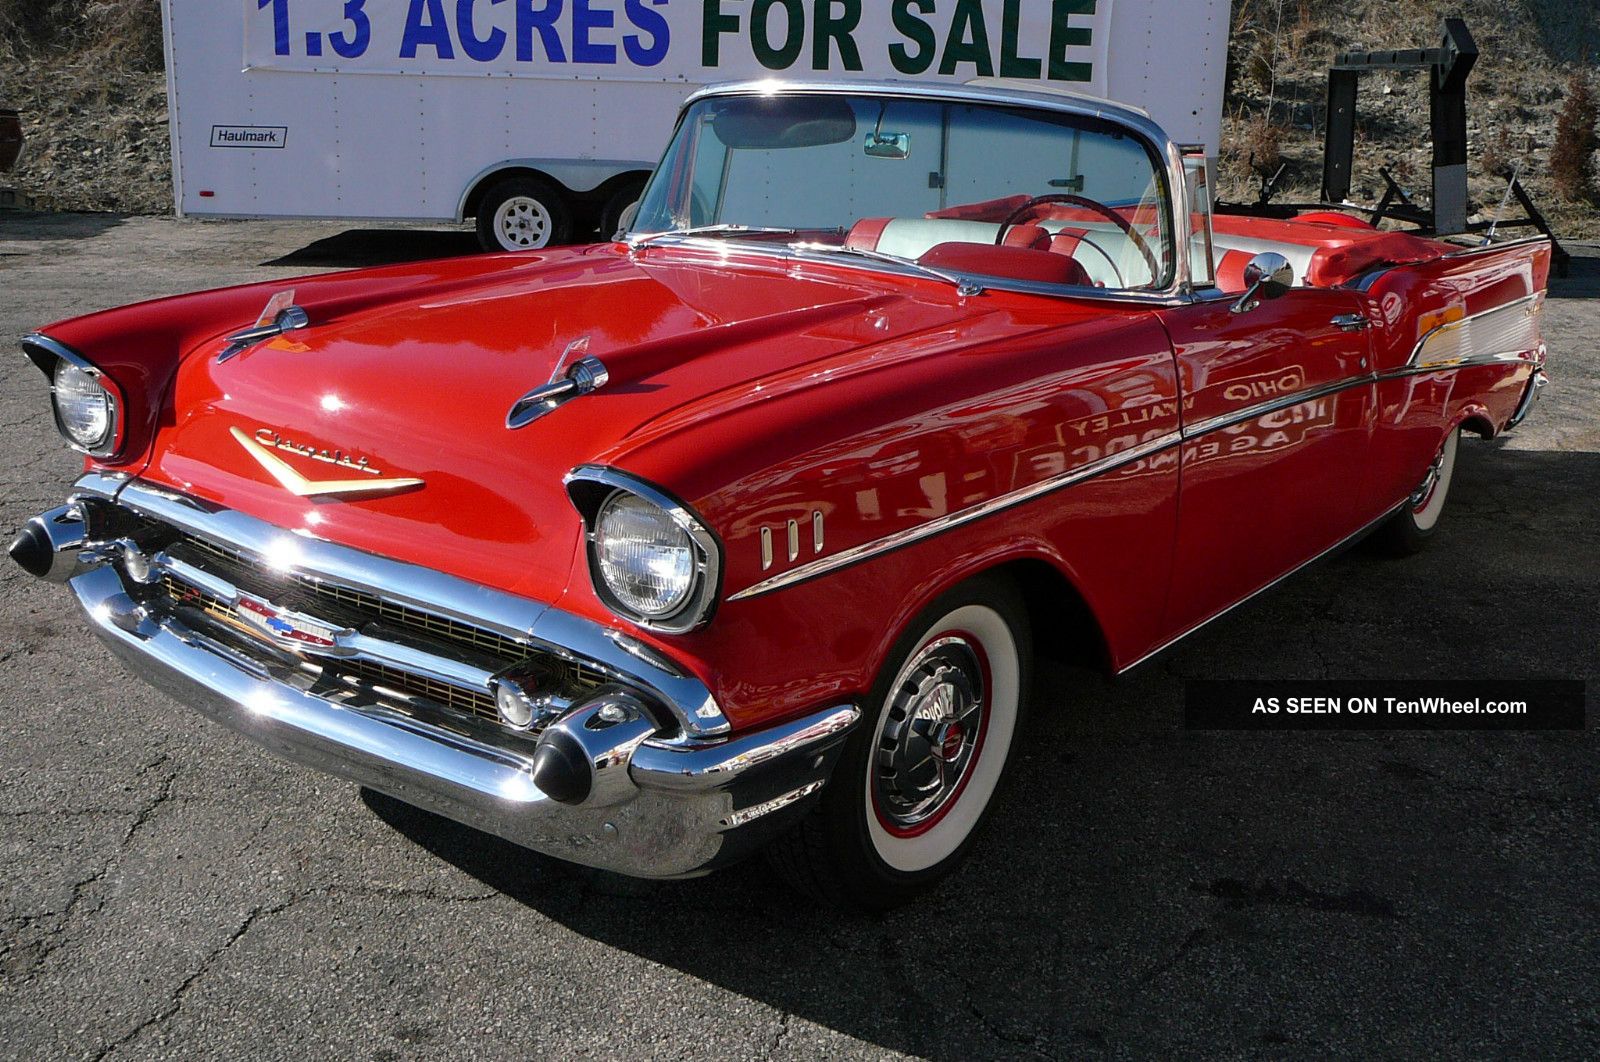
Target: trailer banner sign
x=694, y=41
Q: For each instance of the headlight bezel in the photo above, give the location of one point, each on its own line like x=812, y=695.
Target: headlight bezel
x=591, y=488
x=47, y=355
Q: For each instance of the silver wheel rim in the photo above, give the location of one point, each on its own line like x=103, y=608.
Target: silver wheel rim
x=933, y=727
x=522, y=223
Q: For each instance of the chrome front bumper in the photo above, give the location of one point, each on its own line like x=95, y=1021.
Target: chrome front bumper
x=665, y=801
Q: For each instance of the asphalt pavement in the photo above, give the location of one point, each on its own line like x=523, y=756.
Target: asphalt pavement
x=169, y=890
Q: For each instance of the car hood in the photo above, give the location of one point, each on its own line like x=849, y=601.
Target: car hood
x=417, y=385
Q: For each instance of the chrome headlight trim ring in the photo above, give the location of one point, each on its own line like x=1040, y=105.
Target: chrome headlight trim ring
x=45, y=352
x=589, y=487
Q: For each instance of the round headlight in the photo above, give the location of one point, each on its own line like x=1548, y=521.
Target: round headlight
x=644, y=557
x=83, y=407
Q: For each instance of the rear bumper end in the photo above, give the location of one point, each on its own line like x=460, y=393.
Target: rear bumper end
x=650, y=797
x=1536, y=386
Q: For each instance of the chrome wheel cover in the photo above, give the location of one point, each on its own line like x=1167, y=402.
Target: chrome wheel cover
x=1427, y=501
x=1430, y=480
x=933, y=727
x=522, y=223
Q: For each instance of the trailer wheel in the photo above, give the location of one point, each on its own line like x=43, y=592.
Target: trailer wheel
x=620, y=209
x=523, y=214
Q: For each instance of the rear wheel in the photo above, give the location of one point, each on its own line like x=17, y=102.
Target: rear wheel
x=1408, y=530
x=918, y=777
x=523, y=214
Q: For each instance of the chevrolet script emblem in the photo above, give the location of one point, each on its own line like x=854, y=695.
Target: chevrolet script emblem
x=267, y=440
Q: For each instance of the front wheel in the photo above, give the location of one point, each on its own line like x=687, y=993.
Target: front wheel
x=1408, y=530
x=522, y=214
x=918, y=777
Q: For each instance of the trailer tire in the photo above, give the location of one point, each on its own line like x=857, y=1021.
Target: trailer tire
x=523, y=214
x=620, y=209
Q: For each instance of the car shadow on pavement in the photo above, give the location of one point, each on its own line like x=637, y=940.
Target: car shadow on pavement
x=1141, y=886
x=1583, y=275
x=356, y=248
x=31, y=226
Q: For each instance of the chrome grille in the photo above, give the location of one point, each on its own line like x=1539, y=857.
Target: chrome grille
x=364, y=611
x=383, y=677
x=242, y=572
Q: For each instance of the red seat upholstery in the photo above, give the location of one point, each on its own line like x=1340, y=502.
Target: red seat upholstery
x=1033, y=237
x=1230, y=270
x=866, y=233
x=1016, y=263
x=1324, y=252
x=1067, y=241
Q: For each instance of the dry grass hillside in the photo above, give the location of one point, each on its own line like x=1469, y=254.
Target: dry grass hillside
x=1531, y=51
x=88, y=76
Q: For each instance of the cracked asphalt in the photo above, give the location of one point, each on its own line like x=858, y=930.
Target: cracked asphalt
x=169, y=890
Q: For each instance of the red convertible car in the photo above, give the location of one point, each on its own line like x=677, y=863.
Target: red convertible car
x=744, y=530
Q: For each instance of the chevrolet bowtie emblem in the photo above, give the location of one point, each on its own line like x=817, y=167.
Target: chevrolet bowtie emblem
x=295, y=483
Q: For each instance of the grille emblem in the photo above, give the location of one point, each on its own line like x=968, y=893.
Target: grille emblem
x=288, y=626
x=295, y=483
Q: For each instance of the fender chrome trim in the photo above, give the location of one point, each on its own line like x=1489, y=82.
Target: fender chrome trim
x=1186, y=433
x=868, y=550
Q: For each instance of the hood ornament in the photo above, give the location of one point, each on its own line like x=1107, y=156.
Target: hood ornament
x=279, y=316
x=567, y=382
x=266, y=440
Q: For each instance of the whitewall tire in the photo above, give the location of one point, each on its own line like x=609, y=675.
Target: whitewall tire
x=918, y=777
x=1409, y=529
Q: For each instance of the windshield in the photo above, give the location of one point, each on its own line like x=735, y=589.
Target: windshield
x=998, y=191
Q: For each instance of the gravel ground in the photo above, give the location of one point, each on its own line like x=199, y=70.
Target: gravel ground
x=168, y=890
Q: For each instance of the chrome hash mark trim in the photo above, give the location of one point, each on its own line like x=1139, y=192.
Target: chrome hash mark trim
x=944, y=523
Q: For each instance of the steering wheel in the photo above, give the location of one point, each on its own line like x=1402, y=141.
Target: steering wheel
x=1027, y=210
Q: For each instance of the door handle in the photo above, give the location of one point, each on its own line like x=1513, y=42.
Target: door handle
x=1350, y=322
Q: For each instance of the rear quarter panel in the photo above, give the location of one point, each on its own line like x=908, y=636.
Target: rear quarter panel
x=1416, y=409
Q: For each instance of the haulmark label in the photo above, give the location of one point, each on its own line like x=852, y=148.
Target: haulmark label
x=249, y=136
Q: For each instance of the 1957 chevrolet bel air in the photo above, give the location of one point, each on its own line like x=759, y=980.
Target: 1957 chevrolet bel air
x=743, y=529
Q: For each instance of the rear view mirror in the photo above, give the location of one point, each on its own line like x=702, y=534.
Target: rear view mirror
x=888, y=145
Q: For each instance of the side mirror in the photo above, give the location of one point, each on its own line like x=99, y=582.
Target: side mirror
x=1268, y=276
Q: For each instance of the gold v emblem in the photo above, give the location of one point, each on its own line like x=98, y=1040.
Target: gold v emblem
x=295, y=483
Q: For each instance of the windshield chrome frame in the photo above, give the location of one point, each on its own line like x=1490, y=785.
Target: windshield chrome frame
x=1138, y=124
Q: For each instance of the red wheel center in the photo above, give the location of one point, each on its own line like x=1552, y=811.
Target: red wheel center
x=949, y=740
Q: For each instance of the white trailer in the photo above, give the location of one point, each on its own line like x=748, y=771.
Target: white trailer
x=542, y=118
